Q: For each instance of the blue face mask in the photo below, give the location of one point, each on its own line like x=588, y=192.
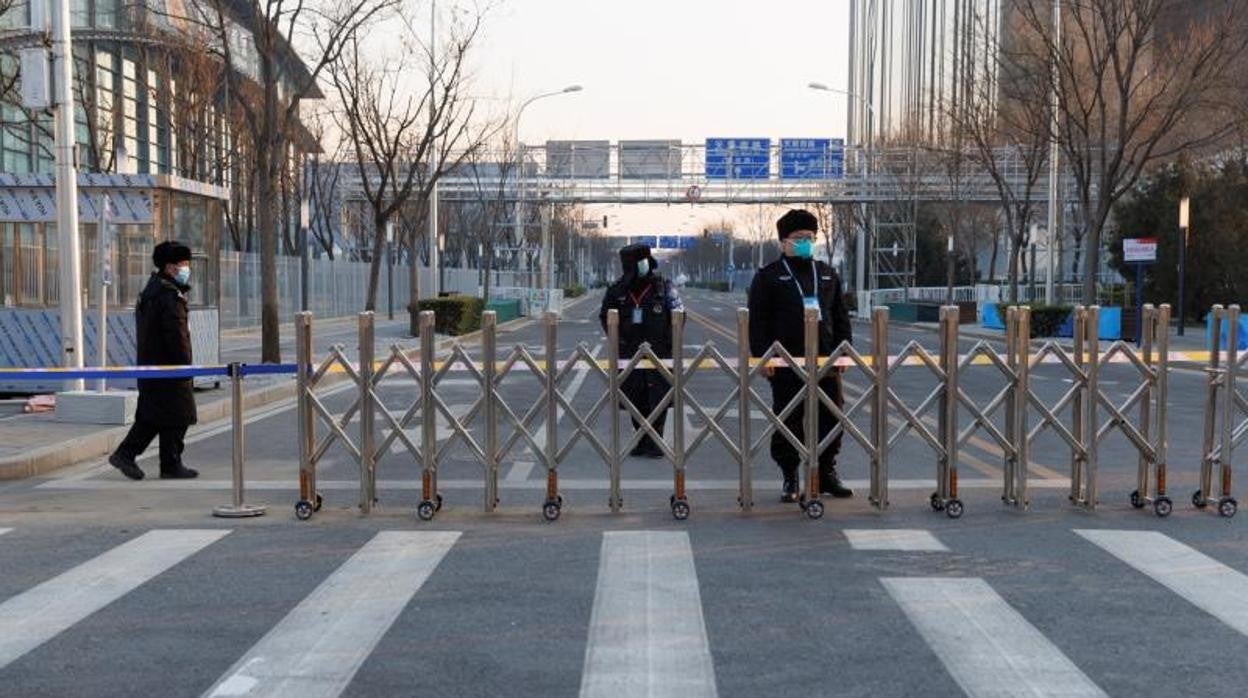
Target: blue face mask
x=804, y=249
x=643, y=267
x=183, y=276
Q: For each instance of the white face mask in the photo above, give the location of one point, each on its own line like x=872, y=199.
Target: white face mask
x=643, y=267
x=183, y=276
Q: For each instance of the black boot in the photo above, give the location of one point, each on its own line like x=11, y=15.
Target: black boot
x=830, y=484
x=126, y=465
x=178, y=472
x=788, y=491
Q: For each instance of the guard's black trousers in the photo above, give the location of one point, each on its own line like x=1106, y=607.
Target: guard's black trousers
x=646, y=388
x=172, y=443
x=785, y=385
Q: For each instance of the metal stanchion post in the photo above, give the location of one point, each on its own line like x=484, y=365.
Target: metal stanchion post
x=1091, y=413
x=810, y=417
x=1144, y=463
x=309, y=498
x=613, y=385
x=1022, y=369
x=745, y=491
x=553, y=506
x=489, y=367
x=238, y=509
x=949, y=409
x=879, y=407
x=1078, y=457
x=430, y=498
x=1008, y=494
x=679, y=501
x=368, y=490
x=1227, y=505
x=1161, y=337
x=1215, y=379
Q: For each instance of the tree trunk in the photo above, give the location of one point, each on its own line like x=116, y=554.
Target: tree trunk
x=270, y=331
x=413, y=275
x=374, y=264
x=1015, y=250
x=992, y=259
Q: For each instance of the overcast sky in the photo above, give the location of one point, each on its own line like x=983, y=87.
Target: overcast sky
x=681, y=69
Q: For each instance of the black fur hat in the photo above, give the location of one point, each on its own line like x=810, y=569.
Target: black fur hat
x=797, y=219
x=170, y=252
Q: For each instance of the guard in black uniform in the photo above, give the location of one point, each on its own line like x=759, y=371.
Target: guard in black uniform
x=779, y=296
x=166, y=405
x=645, y=302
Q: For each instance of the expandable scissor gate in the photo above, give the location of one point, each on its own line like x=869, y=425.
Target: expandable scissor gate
x=1226, y=414
x=493, y=428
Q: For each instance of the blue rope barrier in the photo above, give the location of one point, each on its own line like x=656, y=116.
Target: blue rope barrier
x=144, y=372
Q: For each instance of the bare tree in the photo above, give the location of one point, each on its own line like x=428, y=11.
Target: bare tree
x=1139, y=82
x=404, y=140
x=493, y=174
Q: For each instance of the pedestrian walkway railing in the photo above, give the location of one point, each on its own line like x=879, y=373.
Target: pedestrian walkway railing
x=1226, y=414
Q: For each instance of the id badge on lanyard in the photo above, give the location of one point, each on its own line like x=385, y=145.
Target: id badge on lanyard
x=637, y=316
x=813, y=302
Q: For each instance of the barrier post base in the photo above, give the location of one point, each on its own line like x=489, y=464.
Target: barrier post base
x=242, y=511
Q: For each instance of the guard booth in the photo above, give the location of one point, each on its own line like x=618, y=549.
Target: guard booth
x=142, y=210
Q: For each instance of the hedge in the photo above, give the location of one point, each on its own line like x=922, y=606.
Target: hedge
x=1045, y=319
x=573, y=291
x=454, y=315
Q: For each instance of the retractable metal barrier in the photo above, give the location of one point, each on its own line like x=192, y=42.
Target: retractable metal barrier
x=1152, y=395
x=312, y=409
x=1226, y=414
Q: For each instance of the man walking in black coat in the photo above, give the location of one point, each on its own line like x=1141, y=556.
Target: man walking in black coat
x=166, y=405
x=645, y=302
x=779, y=296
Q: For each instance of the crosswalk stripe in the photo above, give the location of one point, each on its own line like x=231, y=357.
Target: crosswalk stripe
x=647, y=636
x=4, y=531
x=903, y=539
x=1204, y=582
x=40, y=614
x=986, y=646
x=320, y=645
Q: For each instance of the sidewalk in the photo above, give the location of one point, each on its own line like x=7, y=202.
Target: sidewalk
x=35, y=444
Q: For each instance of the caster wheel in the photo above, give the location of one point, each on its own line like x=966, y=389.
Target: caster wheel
x=425, y=510
x=1198, y=500
x=1136, y=500
x=438, y=504
x=316, y=506
x=680, y=510
x=954, y=509
x=814, y=509
x=551, y=510
x=937, y=503
x=1227, y=506
x=303, y=510
x=1162, y=506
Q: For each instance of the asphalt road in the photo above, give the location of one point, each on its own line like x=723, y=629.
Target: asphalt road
x=109, y=587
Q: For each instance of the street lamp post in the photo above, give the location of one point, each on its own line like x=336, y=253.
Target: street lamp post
x=1183, y=221
x=519, y=222
x=67, y=195
x=860, y=246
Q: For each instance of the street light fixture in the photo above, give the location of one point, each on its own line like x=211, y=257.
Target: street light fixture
x=1184, y=209
x=860, y=246
x=547, y=270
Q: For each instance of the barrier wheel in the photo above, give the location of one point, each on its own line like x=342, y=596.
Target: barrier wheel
x=1136, y=500
x=814, y=509
x=316, y=506
x=937, y=503
x=1198, y=500
x=425, y=510
x=1162, y=506
x=954, y=509
x=680, y=509
x=1227, y=506
x=551, y=510
x=303, y=510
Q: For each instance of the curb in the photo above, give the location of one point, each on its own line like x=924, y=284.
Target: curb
x=43, y=460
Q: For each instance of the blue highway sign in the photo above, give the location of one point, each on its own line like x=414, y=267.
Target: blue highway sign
x=812, y=158
x=738, y=158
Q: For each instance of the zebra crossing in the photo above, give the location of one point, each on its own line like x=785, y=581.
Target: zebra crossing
x=647, y=631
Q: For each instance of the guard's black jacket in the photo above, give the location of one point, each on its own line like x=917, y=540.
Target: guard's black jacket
x=777, y=308
x=164, y=339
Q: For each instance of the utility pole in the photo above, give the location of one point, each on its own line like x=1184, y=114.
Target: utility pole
x=1054, y=158
x=431, y=208
x=67, y=195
